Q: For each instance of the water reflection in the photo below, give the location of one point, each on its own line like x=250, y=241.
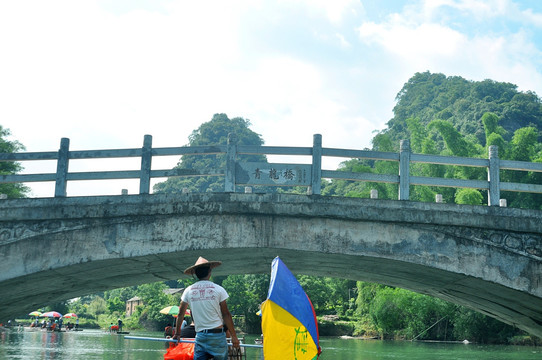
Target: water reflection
x=88, y=344
x=95, y=344
x=377, y=350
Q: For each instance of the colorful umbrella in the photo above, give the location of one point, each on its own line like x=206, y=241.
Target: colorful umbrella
x=52, y=314
x=173, y=310
x=70, y=315
x=289, y=323
x=35, y=313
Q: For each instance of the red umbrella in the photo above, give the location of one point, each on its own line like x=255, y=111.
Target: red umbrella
x=52, y=314
x=70, y=315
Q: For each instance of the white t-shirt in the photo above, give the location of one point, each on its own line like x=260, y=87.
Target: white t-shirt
x=204, y=298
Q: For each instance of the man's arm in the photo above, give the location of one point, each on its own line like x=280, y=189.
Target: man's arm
x=182, y=310
x=228, y=321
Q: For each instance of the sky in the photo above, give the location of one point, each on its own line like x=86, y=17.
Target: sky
x=104, y=73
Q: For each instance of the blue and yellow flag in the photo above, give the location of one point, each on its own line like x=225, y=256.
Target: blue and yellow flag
x=290, y=329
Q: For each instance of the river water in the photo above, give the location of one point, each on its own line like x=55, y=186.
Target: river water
x=95, y=344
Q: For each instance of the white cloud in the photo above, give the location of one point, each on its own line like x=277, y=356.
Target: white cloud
x=532, y=17
x=416, y=43
x=287, y=101
x=84, y=67
x=422, y=45
x=105, y=73
x=482, y=10
x=343, y=42
x=334, y=10
x=105, y=78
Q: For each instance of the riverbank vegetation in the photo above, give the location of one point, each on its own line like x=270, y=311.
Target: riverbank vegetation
x=343, y=307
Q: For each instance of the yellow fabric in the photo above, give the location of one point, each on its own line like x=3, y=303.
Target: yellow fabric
x=284, y=337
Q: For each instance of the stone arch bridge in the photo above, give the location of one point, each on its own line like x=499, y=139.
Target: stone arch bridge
x=486, y=258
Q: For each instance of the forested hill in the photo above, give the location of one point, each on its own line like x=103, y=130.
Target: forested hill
x=456, y=117
x=429, y=97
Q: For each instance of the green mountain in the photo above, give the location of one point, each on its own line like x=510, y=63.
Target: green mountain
x=461, y=102
x=452, y=116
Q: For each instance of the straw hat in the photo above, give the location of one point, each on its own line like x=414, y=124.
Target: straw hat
x=201, y=262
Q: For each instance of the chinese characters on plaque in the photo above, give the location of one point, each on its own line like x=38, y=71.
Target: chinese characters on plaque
x=274, y=174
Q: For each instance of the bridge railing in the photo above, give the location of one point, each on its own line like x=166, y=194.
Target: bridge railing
x=273, y=174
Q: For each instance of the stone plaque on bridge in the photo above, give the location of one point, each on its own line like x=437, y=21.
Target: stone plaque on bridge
x=268, y=174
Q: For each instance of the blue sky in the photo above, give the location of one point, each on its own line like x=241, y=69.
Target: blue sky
x=104, y=73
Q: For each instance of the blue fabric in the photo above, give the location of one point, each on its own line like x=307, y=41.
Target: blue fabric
x=211, y=344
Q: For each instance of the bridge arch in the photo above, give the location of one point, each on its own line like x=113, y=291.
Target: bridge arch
x=486, y=258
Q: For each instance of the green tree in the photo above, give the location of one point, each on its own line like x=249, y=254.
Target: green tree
x=97, y=306
x=155, y=299
x=81, y=309
x=246, y=293
x=497, y=140
x=524, y=144
x=214, y=132
x=317, y=290
x=115, y=305
x=418, y=134
x=16, y=190
x=405, y=314
x=431, y=96
x=455, y=141
x=422, y=142
x=491, y=125
x=350, y=188
x=468, y=197
x=452, y=116
x=342, y=295
x=387, y=313
x=479, y=328
x=123, y=294
x=427, y=317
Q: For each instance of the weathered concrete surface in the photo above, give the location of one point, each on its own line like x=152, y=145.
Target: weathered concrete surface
x=487, y=258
